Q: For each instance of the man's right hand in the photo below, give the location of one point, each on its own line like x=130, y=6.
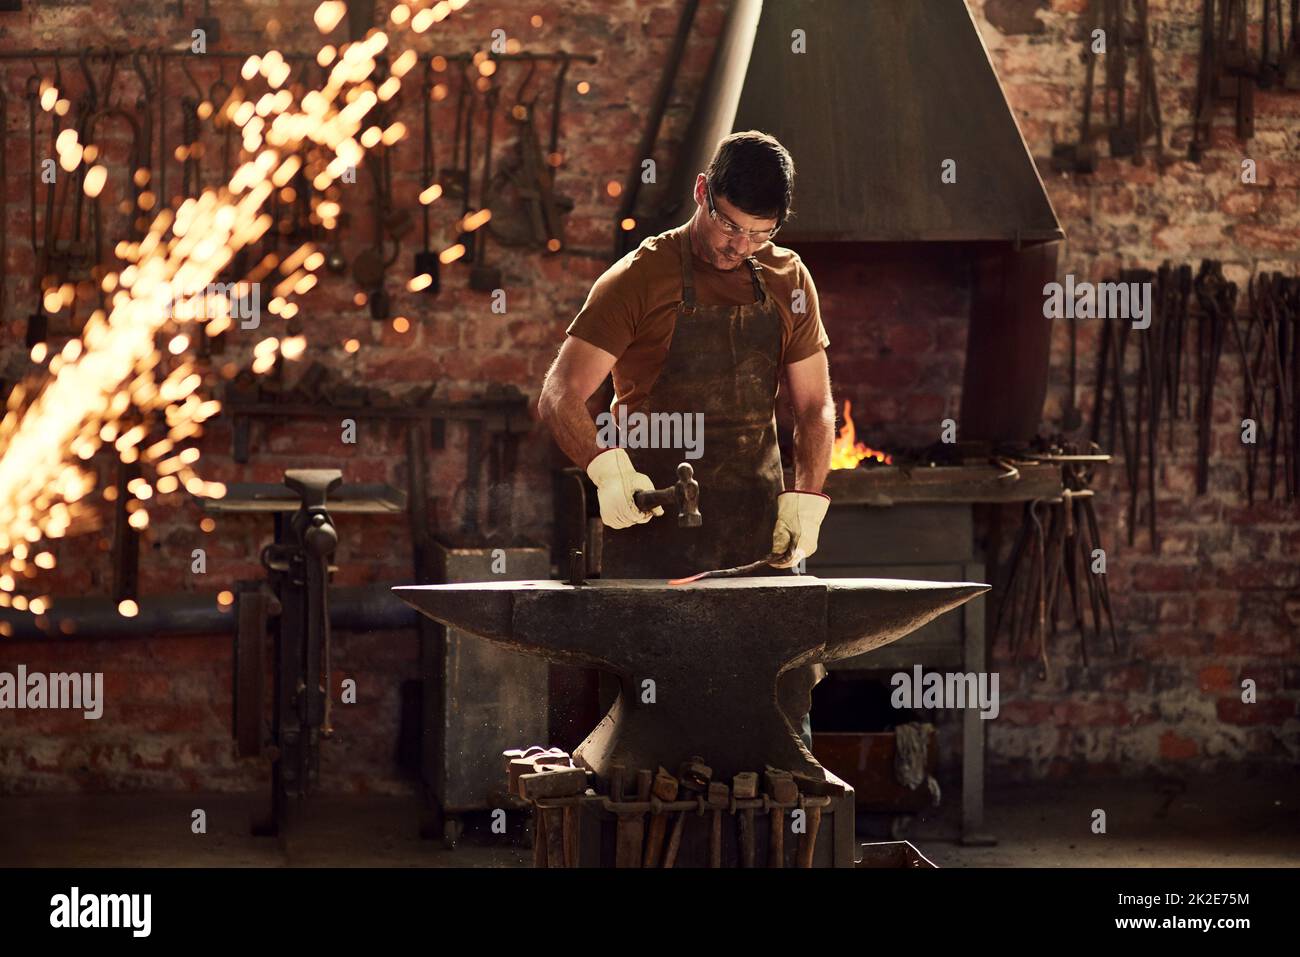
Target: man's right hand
x=616, y=482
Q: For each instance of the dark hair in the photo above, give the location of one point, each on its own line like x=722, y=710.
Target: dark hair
x=756, y=174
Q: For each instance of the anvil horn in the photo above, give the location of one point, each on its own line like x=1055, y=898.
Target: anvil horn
x=862, y=619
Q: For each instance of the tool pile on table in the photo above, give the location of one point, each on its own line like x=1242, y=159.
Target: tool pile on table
x=1055, y=551
x=645, y=819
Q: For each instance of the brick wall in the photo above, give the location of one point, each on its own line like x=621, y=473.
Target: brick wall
x=1206, y=612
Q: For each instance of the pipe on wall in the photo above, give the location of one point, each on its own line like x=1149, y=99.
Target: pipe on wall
x=193, y=614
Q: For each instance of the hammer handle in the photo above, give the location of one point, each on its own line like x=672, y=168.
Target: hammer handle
x=648, y=501
x=808, y=840
x=776, y=838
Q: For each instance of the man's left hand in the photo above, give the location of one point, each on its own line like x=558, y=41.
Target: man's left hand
x=798, y=522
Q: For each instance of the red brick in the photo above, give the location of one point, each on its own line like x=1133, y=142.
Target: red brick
x=1175, y=748
x=1272, y=711
x=1214, y=612
x=1215, y=678
x=1026, y=713
x=1080, y=713
x=1128, y=678
x=1255, y=644
x=1161, y=578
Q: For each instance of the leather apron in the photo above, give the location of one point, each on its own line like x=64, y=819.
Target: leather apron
x=723, y=362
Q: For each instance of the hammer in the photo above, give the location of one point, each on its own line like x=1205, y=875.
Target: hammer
x=665, y=788
x=744, y=787
x=780, y=787
x=684, y=494
x=695, y=776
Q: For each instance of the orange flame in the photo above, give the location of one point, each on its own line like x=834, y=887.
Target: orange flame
x=847, y=452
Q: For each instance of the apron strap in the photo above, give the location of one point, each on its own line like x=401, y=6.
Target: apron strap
x=688, y=275
x=755, y=273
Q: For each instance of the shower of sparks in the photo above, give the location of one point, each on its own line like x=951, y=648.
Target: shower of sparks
x=103, y=387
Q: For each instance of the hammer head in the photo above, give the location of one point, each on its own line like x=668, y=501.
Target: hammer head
x=688, y=497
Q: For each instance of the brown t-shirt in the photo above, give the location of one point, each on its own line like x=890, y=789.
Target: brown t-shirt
x=632, y=308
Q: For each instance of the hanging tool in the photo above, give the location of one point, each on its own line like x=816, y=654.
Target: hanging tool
x=1290, y=67
x=1217, y=299
x=466, y=237
x=553, y=205
x=191, y=170
x=1206, y=83
x=370, y=265
x=427, y=262
x=515, y=184
x=1270, y=63
x=482, y=277
x=36, y=322
x=1121, y=135
x=209, y=24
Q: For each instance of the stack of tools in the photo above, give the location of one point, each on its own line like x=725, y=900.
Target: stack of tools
x=548, y=779
x=649, y=816
x=1161, y=391
x=1126, y=29
x=1269, y=350
x=1053, y=552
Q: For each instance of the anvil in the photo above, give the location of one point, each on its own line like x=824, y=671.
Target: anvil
x=720, y=668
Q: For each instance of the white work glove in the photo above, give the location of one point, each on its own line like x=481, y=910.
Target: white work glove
x=798, y=521
x=616, y=480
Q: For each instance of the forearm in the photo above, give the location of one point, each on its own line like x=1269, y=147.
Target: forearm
x=814, y=435
x=571, y=426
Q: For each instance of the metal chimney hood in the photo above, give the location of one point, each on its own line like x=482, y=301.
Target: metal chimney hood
x=885, y=92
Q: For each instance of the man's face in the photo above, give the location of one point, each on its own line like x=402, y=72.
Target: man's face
x=720, y=247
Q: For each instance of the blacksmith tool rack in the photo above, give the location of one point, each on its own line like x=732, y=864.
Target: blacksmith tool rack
x=575, y=826
x=499, y=417
x=1231, y=70
x=1161, y=393
x=1169, y=385
x=1045, y=562
x=1126, y=24
x=122, y=88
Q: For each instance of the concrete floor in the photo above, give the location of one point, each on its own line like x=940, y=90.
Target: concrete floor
x=1219, y=823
